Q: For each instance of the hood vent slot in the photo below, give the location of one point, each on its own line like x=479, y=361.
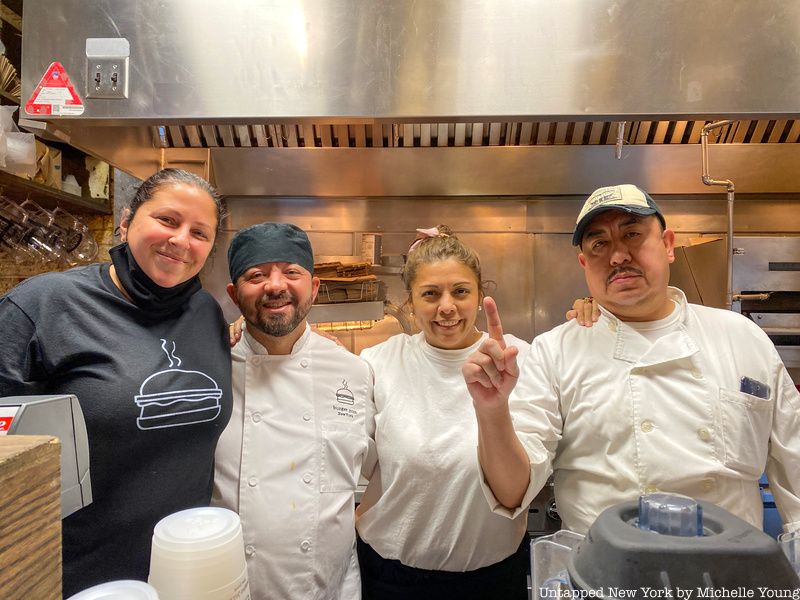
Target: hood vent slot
x=409, y=135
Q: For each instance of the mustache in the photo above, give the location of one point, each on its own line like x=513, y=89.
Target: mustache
x=282, y=296
x=620, y=271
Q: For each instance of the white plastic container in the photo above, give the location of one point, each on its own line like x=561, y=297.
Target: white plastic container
x=198, y=554
x=118, y=590
x=790, y=544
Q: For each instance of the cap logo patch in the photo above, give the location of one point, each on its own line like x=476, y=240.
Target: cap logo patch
x=613, y=195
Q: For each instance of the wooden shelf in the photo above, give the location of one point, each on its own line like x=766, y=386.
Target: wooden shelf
x=10, y=12
x=18, y=189
x=6, y=96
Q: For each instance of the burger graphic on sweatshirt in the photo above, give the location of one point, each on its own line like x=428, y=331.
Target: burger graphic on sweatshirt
x=176, y=397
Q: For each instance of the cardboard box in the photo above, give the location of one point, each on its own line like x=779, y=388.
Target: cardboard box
x=30, y=502
x=48, y=166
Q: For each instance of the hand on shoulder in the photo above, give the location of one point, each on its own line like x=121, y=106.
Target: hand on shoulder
x=585, y=311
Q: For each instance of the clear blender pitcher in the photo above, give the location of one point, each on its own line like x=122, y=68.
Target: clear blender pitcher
x=790, y=544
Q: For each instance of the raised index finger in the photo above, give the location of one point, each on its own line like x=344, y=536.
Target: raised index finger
x=493, y=324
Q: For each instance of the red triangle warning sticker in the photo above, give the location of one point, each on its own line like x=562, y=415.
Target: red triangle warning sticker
x=54, y=95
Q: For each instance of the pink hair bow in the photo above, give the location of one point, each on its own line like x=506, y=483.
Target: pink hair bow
x=424, y=234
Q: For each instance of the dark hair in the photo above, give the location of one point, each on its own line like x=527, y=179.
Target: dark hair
x=168, y=177
x=436, y=249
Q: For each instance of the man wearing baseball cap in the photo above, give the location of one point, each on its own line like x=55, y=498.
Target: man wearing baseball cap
x=659, y=396
x=302, y=426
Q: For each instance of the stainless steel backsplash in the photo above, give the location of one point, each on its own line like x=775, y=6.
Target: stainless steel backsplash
x=523, y=242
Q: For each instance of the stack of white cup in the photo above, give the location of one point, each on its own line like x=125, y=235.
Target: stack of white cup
x=198, y=554
x=125, y=589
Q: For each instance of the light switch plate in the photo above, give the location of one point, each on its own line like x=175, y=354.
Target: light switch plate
x=107, y=67
x=107, y=77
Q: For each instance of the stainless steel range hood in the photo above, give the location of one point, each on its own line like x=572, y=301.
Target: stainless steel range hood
x=415, y=89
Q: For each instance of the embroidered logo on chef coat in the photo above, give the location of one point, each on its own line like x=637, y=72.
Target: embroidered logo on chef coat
x=176, y=397
x=344, y=401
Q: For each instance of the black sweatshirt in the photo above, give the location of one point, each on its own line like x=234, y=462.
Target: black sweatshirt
x=155, y=393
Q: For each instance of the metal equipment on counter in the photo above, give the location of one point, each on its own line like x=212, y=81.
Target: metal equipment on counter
x=543, y=516
x=663, y=543
x=767, y=290
x=61, y=416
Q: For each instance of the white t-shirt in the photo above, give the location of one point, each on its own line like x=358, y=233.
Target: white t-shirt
x=653, y=330
x=424, y=505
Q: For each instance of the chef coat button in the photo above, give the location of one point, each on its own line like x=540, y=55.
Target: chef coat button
x=304, y=363
x=708, y=485
x=647, y=426
x=256, y=417
x=250, y=549
x=697, y=373
x=307, y=477
x=612, y=324
x=703, y=434
x=255, y=360
x=650, y=489
x=306, y=416
x=305, y=545
x=252, y=482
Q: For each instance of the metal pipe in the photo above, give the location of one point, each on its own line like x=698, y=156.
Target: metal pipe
x=763, y=297
x=708, y=180
x=620, y=139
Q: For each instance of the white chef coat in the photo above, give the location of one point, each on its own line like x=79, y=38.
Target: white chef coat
x=424, y=505
x=289, y=461
x=615, y=415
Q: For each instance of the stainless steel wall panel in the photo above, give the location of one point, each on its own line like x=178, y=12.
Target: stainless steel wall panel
x=389, y=59
x=506, y=260
x=684, y=214
x=522, y=170
x=380, y=214
x=558, y=280
x=524, y=243
x=689, y=216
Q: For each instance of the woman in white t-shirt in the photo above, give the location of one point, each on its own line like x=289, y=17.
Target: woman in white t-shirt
x=425, y=527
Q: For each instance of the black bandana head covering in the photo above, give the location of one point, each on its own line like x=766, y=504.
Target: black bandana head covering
x=269, y=243
x=146, y=293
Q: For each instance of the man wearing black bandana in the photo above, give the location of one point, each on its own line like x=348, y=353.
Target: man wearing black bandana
x=302, y=426
x=149, y=364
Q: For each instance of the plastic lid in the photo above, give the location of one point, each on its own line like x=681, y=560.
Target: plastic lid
x=118, y=590
x=670, y=514
x=197, y=529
